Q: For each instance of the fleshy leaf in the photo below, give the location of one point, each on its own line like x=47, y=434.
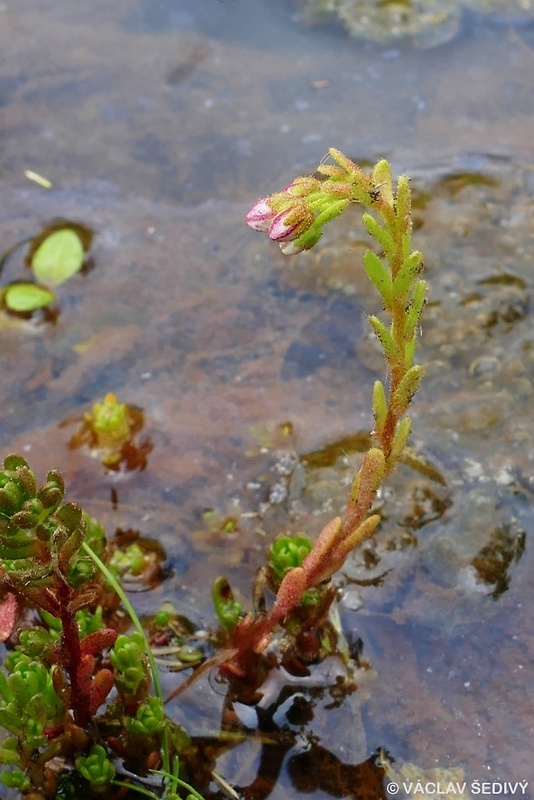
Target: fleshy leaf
x=400, y=439
x=379, y=405
x=385, y=338
x=8, y=613
x=409, y=270
x=415, y=308
x=382, y=236
x=379, y=275
x=406, y=389
x=403, y=201
x=58, y=258
x=382, y=177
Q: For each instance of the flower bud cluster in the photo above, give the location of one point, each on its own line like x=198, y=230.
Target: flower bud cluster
x=295, y=217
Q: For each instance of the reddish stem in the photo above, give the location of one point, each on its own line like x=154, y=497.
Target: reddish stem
x=72, y=654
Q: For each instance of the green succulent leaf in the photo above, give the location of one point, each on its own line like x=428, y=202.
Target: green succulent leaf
x=95, y=535
x=52, y=492
x=409, y=351
x=382, y=177
x=96, y=767
x=149, y=718
x=382, y=236
x=400, y=439
x=58, y=258
x=391, y=351
x=15, y=461
x=415, y=308
x=287, y=552
x=9, y=752
x=406, y=389
x=409, y=270
x=379, y=274
x=129, y=662
x=34, y=641
x=379, y=404
x=403, y=200
x=15, y=779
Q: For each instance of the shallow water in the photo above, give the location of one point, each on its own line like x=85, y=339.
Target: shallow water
x=158, y=124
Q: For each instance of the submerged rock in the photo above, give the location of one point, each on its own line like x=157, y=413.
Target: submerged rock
x=426, y=22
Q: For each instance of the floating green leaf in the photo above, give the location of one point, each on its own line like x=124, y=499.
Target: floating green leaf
x=27, y=297
x=58, y=258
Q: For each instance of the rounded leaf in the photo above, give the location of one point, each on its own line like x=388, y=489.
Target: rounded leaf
x=24, y=297
x=59, y=257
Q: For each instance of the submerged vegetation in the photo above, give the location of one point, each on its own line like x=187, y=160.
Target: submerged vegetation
x=110, y=430
x=425, y=22
x=80, y=695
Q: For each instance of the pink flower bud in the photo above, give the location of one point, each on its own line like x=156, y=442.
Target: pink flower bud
x=304, y=242
x=284, y=226
x=302, y=187
x=291, y=248
x=261, y=215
